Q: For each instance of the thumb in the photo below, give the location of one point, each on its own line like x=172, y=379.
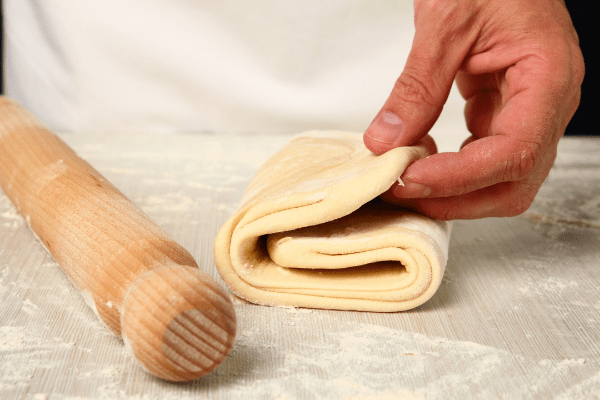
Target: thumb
x=439, y=48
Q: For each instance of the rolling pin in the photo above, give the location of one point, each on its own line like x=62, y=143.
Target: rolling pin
x=176, y=320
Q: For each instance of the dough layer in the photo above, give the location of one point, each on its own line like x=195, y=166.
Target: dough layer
x=311, y=231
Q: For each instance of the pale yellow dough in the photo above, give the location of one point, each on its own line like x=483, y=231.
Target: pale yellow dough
x=310, y=234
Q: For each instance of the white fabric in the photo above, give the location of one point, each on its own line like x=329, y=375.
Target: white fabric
x=183, y=65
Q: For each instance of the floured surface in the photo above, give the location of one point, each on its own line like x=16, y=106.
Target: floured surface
x=516, y=315
x=576, y=205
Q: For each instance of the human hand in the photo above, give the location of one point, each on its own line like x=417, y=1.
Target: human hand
x=519, y=66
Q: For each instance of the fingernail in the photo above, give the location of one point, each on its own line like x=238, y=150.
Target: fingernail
x=386, y=128
x=412, y=190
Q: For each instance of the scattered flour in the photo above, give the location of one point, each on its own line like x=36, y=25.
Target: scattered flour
x=110, y=370
x=551, y=286
x=3, y=274
x=360, y=361
x=11, y=337
x=588, y=389
x=29, y=307
x=9, y=216
x=566, y=363
x=124, y=171
x=21, y=354
x=168, y=202
x=200, y=185
x=340, y=361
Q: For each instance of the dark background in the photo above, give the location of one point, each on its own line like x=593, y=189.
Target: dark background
x=1, y=49
x=581, y=122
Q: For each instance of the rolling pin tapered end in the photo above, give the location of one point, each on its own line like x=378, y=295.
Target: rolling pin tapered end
x=178, y=322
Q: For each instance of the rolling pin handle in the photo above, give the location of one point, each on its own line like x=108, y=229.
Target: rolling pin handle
x=178, y=323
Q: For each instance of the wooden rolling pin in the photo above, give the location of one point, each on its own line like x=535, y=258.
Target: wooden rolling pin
x=176, y=320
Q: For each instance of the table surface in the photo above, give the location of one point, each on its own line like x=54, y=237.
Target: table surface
x=517, y=315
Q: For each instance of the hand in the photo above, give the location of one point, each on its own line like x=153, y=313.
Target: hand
x=519, y=67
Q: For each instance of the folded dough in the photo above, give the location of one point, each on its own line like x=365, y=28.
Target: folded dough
x=310, y=234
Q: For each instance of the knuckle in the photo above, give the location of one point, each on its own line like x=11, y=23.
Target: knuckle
x=439, y=7
x=447, y=13
x=566, y=68
x=413, y=87
x=521, y=164
x=453, y=18
x=578, y=66
x=565, y=46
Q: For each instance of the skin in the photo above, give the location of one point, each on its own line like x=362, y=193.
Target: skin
x=519, y=66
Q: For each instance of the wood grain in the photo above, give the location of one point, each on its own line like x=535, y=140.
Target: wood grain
x=136, y=278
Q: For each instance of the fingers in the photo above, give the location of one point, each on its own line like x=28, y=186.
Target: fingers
x=480, y=163
x=498, y=189
x=480, y=110
x=521, y=78
x=443, y=36
x=429, y=144
x=505, y=199
x=495, y=176
x=515, y=133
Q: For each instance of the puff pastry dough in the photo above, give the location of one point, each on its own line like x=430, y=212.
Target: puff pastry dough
x=311, y=232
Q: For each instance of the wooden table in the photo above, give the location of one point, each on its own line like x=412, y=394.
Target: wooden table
x=517, y=315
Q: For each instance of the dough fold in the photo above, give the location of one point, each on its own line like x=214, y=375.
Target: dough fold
x=311, y=231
